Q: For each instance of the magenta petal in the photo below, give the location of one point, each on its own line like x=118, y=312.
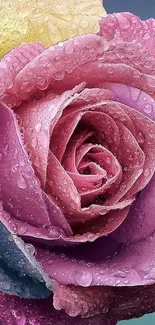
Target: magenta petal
x=21, y=312
x=20, y=193
x=139, y=223
x=103, y=263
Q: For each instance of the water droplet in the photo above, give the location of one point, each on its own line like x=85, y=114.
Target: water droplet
x=22, y=162
x=5, y=285
x=126, y=281
x=44, y=60
x=110, y=70
x=38, y=127
x=69, y=48
x=21, y=320
x=21, y=182
x=146, y=36
x=60, y=44
x=65, y=181
x=22, y=230
x=34, y=142
x=90, y=264
x=140, y=138
x=83, y=278
x=15, y=168
x=6, y=149
x=119, y=274
x=59, y=75
x=148, y=108
x=146, y=172
x=30, y=249
x=75, y=40
x=118, y=282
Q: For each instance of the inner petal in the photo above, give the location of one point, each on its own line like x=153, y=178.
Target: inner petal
x=61, y=187
x=37, y=120
x=109, y=164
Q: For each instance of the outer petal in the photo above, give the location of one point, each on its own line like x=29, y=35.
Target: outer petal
x=127, y=27
x=128, y=269
x=139, y=223
x=55, y=67
x=20, y=190
x=13, y=62
x=124, y=303
x=21, y=312
x=104, y=262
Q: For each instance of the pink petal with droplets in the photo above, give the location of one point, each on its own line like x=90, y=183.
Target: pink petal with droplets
x=38, y=119
x=128, y=27
x=82, y=301
x=61, y=187
x=103, y=263
x=51, y=68
x=139, y=223
x=66, y=126
x=41, y=312
x=12, y=63
x=21, y=194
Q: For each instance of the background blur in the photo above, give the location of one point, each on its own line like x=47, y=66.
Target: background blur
x=144, y=9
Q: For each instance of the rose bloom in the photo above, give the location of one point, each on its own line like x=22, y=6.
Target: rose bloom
x=77, y=153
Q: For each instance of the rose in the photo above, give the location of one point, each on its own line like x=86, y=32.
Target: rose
x=83, y=110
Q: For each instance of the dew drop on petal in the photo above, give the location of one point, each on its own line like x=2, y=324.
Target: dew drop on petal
x=21, y=182
x=22, y=162
x=118, y=282
x=38, y=127
x=30, y=249
x=120, y=274
x=126, y=282
x=15, y=168
x=83, y=278
x=148, y=108
x=5, y=150
x=20, y=318
x=146, y=172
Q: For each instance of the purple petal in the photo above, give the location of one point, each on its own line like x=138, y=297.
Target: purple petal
x=21, y=312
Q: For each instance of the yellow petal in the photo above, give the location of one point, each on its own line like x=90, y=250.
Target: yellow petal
x=48, y=21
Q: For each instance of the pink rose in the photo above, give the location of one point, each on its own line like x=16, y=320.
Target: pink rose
x=77, y=149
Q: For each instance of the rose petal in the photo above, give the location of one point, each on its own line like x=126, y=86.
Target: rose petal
x=66, y=126
x=59, y=65
x=102, y=263
x=127, y=302
x=38, y=119
x=20, y=192
x=139, y=223
x=61, y=187
x=39, y=312
x=147, y=143
x=133, y=97
x=82, y=301
x=12, y=63
x=129, y=27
